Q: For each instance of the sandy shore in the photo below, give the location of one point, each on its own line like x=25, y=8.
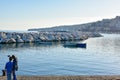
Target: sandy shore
x=66, y=77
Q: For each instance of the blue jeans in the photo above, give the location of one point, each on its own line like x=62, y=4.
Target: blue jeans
x=14, y=76
x=9, y=76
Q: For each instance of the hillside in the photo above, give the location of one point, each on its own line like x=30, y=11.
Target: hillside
x=106, y=25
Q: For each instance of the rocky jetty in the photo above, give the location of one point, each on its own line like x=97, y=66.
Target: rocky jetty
x=28, y=37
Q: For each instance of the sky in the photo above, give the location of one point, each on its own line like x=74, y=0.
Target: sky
x=26, y=14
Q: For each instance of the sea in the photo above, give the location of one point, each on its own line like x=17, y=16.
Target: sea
x=100, y=57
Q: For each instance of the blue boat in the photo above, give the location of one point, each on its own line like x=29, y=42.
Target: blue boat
x=82, y=45
x=75, y=45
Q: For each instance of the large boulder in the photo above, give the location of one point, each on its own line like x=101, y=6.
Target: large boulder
x=29, y=38
x=3, y=35
x=24, y=36
x=3, y=40
x=11, y=40
x=6, y=40
x=9, y=35
x=19, y=40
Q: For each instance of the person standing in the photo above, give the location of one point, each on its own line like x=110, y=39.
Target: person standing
x=15, y=66
x=8, y=68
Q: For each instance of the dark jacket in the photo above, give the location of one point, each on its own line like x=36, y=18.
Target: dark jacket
x=9, y=66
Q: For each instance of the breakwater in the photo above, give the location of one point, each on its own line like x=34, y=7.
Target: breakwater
x=28, y=37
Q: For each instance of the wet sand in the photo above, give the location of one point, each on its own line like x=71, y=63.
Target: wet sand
x=107, y=77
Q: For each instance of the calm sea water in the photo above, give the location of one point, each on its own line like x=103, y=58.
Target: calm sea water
x=101, y=57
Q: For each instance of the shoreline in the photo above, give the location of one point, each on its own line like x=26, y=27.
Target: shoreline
x=81, y=77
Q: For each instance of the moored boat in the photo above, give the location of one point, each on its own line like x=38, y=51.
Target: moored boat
x=78, y=45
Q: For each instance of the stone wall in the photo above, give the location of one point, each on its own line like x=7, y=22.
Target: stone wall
x=17, y=37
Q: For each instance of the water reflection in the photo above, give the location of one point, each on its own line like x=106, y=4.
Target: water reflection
x=27, y=45
x=40, y=44
x=107, y=44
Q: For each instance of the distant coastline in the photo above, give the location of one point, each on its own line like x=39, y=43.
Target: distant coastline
x=19, y=31
x=103, y=26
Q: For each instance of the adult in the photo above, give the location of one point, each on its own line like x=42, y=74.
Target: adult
x=8, y=68
x=15, y=66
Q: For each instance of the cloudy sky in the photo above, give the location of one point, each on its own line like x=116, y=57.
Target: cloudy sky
x=25, y=14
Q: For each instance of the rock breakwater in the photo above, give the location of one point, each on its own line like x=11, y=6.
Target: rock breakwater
x=28, y=37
